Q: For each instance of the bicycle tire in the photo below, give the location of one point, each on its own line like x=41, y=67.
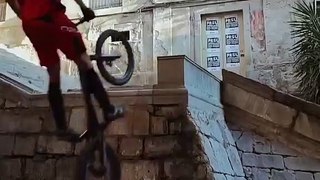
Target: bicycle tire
x=130, y=68
x=113, y=169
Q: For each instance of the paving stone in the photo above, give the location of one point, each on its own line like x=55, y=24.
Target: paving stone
x=317, y=176
x=263, y=161
x=282, y=175
x=302, y=164
x=245, y=142
x=304, y=175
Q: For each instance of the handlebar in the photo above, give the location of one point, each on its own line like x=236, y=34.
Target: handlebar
x=82, y=20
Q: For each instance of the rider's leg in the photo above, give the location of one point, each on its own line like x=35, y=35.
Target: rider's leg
x=91, y=82
x=55, y=96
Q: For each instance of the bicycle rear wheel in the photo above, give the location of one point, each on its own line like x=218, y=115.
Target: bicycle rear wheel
x=114, y=78
x=111, y=170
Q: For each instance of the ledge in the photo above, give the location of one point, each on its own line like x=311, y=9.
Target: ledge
x=274, y=114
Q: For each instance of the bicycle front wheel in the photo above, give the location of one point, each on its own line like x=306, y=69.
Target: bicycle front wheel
x=111, y=170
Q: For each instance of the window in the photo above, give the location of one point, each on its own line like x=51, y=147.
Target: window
x=3, y=6
x=102, y=4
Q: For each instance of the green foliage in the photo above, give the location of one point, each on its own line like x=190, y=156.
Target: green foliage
x=306, y=50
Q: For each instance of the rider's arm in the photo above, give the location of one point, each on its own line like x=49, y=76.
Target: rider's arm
x=14, y=6
x=81, y=4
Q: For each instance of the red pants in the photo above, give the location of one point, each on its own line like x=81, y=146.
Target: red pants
x=51, y=33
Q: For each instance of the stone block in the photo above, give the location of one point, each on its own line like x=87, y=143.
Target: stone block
x=120, y=127
x=261, y=145
x=140, y=121
x=238, y=99
x=161, y=146
x=159, y=125
x=78, y=120
x=175, y=127
x=308, y=126
x=7, y=144
x=262, y=161
x=234, y=177
x=282, y=175
x=302, y=163
x=280, y=114
x=170, y=112
x=304, y=175
x=2, y=102
x=178, y=169
x=113, y=142
x=236, y=135
x=259, y=174
x=218, y=156
x=36, y=170
x=257, y=105
x=10, y=169
x=26, y=121
x=219, y=176
x=51, y=145
x=234, y=160
x=131, y=146
x=142, y=169
x=25, y=145
x=65, y=168
x=245, y=142
x=79, y=147
x=279, y=148
x=317, y=176
x=201, y=172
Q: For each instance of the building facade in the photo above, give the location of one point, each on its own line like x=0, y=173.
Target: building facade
x=251, y=38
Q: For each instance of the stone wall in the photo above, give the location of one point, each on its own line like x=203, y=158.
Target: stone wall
x=174, y=130
x=272, y=130
x=265, y=159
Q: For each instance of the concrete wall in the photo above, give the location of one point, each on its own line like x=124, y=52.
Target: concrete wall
x=173, y=28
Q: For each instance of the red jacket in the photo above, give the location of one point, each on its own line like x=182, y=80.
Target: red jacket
x=34, y=9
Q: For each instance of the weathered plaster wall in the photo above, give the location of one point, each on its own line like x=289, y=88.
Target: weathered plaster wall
x=173, y=28
x=271, y=41
x=265, y=159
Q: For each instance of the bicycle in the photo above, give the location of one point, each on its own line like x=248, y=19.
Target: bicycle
x=97, y=156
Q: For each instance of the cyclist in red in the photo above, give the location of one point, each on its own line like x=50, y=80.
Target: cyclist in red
x=49, y=29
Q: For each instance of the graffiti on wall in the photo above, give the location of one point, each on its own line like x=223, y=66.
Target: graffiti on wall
x=258, y=29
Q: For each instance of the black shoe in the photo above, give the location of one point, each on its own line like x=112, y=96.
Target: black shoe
x=116, y=114
x=68, y=135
